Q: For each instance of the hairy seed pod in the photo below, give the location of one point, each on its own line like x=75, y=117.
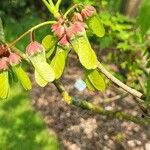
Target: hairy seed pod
x=58, y=29
x=14, y=59
x=74, y=29
x=64, y=41
x=4, y=63
x=88, y=11
x=34, y=48
x=77, y=17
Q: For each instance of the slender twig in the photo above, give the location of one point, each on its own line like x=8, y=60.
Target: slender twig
x=58, y=4
x=70, y=10
x=52, y=9
x=120, y=84
x=48, y=6
x=51, y=3
x=115, y=98
x=99, y=109
x=30, y=30
x=32, y=38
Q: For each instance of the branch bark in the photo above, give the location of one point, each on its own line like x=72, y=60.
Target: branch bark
x=99, y=109
x=120, y=84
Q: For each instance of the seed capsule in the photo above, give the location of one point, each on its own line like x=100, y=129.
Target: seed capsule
x=4, y=64
x=75, y=29
x=14, y=59
x=88, y=11
x=34, y=48
x=77, y=17
x=58, y=29
x=64, y=41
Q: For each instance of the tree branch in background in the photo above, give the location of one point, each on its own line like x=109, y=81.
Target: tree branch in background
x=115, y=98
x=120, y=84
x=99, y=109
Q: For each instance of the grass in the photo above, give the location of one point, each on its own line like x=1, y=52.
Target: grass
x=21, y=127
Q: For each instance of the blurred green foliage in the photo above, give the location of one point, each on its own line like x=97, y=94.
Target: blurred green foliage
x=21, y=127
x=121, y=38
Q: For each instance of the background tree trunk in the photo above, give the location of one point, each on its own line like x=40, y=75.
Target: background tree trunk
x=131, y=7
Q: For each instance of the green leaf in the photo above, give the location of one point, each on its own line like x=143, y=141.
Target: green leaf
x=106, y=41
x=45, y=71
x=89, y=84
x=42, y=67
x=49, y=42
x=12, y=77
x=97, y=80
x=39, y=80
x=85, y=52
x=144, y=17
x=4, y=85
x=95, y=25
x=22, y=77
x=58, y=62
x=50, y=52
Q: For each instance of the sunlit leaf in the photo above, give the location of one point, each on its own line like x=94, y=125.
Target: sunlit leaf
x=4, y=85
x=95, y=25
x=42, y=67
x=58, y=62
x=12, y=77
x=45, y=71
x=22, y=77
x=50, y=52
x=89, y=84
x=85, y=52
x=48, y=42
x=97, y=80
x=39, y=80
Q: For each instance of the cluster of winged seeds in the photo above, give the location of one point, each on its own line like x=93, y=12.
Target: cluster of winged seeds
x=65, y=31
x=49, y=58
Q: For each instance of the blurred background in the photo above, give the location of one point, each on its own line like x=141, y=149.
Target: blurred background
x=28, y=121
